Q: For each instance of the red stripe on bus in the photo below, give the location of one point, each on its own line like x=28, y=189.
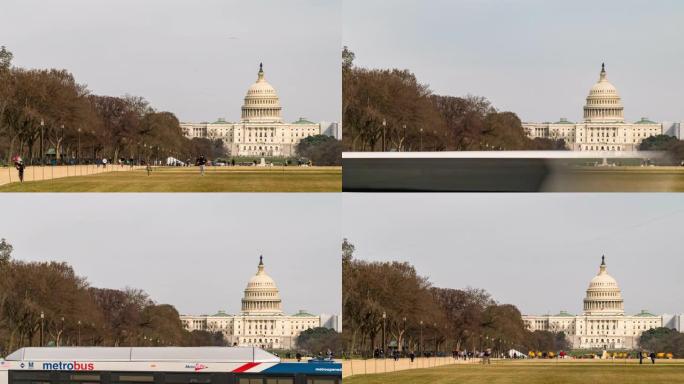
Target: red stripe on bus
x=245, y=367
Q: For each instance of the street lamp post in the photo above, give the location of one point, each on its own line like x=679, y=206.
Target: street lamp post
x=78, y=338
x=384, y=127
x=436, y=331
x=78, y=150
x=42, y=129
x=384, y=344
x=61, y=332
x=420, y=345
x=58, y=150
x=421, y=139
x=42, y=320
x=403, y=140
x=403, y=334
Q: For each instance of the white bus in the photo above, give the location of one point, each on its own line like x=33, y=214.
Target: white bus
x=160, y=365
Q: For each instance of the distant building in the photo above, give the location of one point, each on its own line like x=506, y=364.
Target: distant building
x=331, y=322
x=603, y=324
x=604, y=127
x=261, y=130
x=673, y=128
x=674, y=322
x=331, y=129
x=261, y=323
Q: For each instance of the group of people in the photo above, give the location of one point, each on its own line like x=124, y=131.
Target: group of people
x=651, y=355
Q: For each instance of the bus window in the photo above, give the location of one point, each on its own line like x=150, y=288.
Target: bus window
x=251, y=380
x=321, y=380
x=30, y=378
x=89, y=378
x=279, y=380
x=132, y=378
x=187, y=378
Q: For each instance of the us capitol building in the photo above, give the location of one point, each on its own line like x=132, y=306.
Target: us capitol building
x=604, y=323
x=604, y=127
x=261, y=323
x=261, y=130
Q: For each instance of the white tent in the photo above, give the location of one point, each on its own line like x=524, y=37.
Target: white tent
x=513, y=353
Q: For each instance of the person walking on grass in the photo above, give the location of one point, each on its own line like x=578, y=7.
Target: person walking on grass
x=20, y=166
x=641, y=357
x=201, y=161
x=653, y=357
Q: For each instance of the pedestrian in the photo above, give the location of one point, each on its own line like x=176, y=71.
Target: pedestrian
x=641, y=357
x=104, y=162
x=652, y=356
x=201, y=161
x=412, y=356
x=298, y=356
x=19, y=165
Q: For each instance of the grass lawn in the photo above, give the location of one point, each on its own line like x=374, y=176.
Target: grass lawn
x=171, y=179
x=537, y=372
x=617, y=179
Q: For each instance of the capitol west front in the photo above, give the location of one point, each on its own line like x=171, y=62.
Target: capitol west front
x=604, y=127
x=603, y=324
x=261, y=130
x=261, y=322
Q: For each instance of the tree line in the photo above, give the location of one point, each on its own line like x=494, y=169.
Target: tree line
x=390, y=110
x=421, y=318
x=47, y=303
x=47, y=116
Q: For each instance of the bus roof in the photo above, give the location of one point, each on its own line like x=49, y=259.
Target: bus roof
x=185, y=354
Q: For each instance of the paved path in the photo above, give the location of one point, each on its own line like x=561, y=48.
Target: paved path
x=48, y=172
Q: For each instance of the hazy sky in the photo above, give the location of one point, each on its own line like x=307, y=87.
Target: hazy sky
x=193, y=58
x=537, y=58
x=537, y=251
x=195, y=251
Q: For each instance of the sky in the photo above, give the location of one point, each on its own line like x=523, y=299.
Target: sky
x=536, y=251
x=194, y=251
x=537, y=58
x=194, y=58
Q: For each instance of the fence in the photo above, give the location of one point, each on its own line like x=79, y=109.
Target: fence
x=49, y=172
x=369, y=366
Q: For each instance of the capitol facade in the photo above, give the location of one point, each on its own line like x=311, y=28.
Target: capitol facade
x=261, y=130
x=261, y=322
x=604, y=127
x=603, y=324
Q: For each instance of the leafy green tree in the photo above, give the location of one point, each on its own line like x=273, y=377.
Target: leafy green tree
x=658, y=143
x=319, y=340
x=663, y=340
x=321, y=150
x=5, y=251
x=5, y=59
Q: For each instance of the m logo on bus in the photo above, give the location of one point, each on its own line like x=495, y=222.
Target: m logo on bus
x=68, y=366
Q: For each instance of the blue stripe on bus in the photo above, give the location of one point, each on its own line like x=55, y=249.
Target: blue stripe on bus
x=326, y=369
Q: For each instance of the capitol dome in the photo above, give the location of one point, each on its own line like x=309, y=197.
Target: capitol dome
x=603, y=103
x=261, y=295
x=261, y=102
x=603, y=295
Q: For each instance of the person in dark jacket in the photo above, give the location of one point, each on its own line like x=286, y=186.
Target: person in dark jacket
x=19, y=165
x=201, y=161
